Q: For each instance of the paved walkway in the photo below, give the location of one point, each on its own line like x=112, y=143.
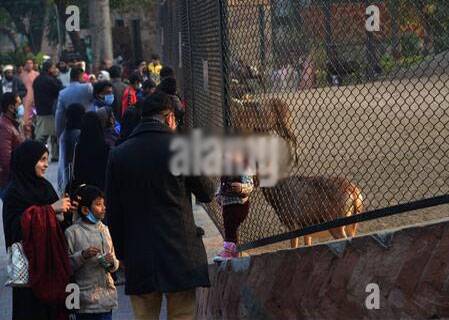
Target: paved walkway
x=212, y=241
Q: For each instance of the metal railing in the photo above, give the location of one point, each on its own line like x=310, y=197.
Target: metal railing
x=364, y=89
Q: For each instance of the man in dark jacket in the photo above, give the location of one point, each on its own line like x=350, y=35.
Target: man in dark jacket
x=151, y=220
x=46, y=88
x=11, y=83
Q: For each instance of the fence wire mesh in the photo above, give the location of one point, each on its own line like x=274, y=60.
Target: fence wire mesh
x=360, y=87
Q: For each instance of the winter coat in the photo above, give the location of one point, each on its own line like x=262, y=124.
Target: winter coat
x=46, y=89
x=10, y=138
x=150, y=214
x=97, y=290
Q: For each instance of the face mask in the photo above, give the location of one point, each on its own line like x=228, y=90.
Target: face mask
x=109, y=99
x=20, y=111
x=90, y=216
x=139, y=86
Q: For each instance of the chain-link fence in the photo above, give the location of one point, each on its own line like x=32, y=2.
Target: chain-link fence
x=360, y=87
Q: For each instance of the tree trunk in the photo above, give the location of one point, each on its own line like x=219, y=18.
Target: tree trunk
x=37, y=28
x=78, y=45
x=100, y=27
x=93, y=16
x=10, y=34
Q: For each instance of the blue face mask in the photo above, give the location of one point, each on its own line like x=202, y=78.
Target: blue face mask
x=20, y=112
x=109, y=99
x=90, y=216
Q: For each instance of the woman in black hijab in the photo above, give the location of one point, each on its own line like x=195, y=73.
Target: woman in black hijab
x=27, y=188
x=91, y=153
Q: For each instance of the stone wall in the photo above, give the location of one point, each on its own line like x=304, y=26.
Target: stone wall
x=328, y=281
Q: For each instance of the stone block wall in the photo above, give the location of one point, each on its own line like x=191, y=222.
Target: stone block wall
x=329, y=281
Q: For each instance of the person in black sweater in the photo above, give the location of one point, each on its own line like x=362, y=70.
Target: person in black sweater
x=46, y=89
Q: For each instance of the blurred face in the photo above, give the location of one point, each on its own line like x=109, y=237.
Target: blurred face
x=149, y=91
x=42, y=165
x=29, y=65
x=18, y=101
x=142, y=66
x=137, y=85
x=9, y=75
x=62, y=66
x=170, y=120
x=108, y=63
x=98, y=208
x=53, y=71
x=106, y=91
x=13, y=108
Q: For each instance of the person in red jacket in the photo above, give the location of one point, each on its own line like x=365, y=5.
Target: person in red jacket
x=129, y=97
x=10, y=135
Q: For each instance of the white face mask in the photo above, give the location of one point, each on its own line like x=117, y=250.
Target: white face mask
x=139, y=86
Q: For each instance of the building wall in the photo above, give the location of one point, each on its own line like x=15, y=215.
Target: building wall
x=148, y=31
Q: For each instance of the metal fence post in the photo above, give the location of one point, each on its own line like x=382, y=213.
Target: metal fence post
x=225, y=59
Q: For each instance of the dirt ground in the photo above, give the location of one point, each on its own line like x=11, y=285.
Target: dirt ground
x=395, y=221
x=390, y=138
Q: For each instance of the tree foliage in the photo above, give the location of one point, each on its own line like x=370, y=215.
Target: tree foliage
x=131, y=4
x=426, y=18
x=25, y=17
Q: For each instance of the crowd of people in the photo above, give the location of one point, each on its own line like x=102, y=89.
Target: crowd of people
x=117, y=204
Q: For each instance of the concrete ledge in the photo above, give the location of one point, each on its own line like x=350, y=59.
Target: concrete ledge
x=328, y=281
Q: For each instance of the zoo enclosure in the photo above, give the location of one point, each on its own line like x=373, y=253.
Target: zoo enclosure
x=367, y=88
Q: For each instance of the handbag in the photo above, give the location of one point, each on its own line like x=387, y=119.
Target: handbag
x=17, y=266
